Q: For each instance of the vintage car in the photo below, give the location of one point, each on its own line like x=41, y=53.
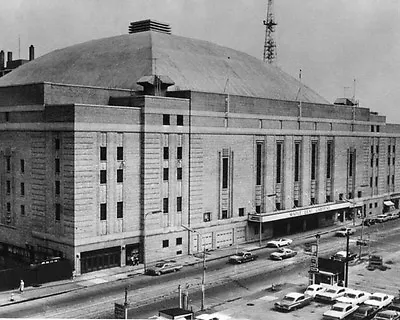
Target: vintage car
x=292, y=301
x=341, y=256
x=331, y=294
x=387, y=315
x=340, y=311
x=283, y=253
x=379, y=300
x=279, y=243
x=354, y=297
x=163, y=267
x=382, y=218
x=364, y=312
x=313, y=289
x=343, y=231
x=241, y=257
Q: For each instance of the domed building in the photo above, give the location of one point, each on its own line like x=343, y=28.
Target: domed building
x=138, y=143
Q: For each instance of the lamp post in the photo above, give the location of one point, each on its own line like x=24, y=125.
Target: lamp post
x=347, y=260
x=144, y=237
x=203, y=279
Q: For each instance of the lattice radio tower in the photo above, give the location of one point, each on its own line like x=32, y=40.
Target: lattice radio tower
x=269, y=43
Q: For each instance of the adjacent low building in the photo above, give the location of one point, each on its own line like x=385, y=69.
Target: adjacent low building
x=139, y=143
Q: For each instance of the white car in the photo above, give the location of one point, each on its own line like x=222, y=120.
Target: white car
x=379, y=300
x=354, y=297
x=279, y=243
x=382, y=218
x=313, y=289
x=331, y=294
x=340, y=311
x=343, y=231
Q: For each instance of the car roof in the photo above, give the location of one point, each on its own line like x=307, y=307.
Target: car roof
x=293, y=294
x=391, y=312
x=341, y=304
x=379, y=294
x=315, y=286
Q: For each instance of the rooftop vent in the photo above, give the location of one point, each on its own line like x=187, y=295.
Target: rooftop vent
x=149, y=25
x=345, y=102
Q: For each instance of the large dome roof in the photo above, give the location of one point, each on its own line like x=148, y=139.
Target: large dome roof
x=120, y=61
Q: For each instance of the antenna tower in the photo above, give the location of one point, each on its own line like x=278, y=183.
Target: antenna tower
x=269, y=43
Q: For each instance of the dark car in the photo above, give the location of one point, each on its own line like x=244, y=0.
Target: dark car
x=364, y=312
x=292, y=301
x=163, y=267
x=241, y=257
x=341, y=256
x=369, y=222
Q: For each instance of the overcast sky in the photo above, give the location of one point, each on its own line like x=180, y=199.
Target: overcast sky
x=332, y=41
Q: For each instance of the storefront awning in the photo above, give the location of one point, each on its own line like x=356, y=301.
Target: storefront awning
x=388, y=203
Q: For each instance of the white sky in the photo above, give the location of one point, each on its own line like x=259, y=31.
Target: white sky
x=332, y=41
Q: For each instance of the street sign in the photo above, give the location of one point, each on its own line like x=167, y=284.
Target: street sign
x=120, y=311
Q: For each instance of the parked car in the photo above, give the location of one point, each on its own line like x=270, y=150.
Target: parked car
x=387, y=315
x=163, y=267
x=382, y=218
x=395, y=305
x=331, y=294
x=279, y=243
x=292, y=301
x=392, y=215
x=313, y=289
x=341, y=256
x=343, y=231
x=379, y=300
x=364, y=312
x=354, y=297
x=283, y=253
x=241, y=257
x=369, y=222
x=340, y=311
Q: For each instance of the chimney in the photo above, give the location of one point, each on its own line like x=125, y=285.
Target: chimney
x=31, y=52
x=1, y=59
x=9, y=56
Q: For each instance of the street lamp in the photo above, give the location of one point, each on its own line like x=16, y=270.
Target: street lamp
x=144, y=237
x=203, y=279
x=347, y=259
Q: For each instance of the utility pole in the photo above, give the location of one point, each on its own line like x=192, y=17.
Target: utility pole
x=347, y=260
x=269, y=42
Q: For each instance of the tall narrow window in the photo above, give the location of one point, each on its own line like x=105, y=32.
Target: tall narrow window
x=225, y=171
x=351, y=164
x=179, y=120
x=22, y=189
x=179, y=153
x=103, y=176
x=165, y=174
x=179, y=204
x=103, y=153
x=258, y=164
x=296, y=161
x=179, y=173
x=165, y=205
x=120, y=209
x=58, y=211
x=57, y=144
x=120, y=175
x=22, y=210
x=166, y=153
x=8, y=164
x=22, y=165
x=8, y=186
x=166, y=121
x=313, y=160
x=278, y=162
x=57, y=187
x=103, y=211
x=57, y=165
x=329, y=159
x=120, y=153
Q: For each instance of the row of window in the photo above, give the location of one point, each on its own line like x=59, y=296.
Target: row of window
x=103, y=176
x=167, y=120
x=178, y=153
x=21, y=165
x=166, y=204
x=224, y=214
x=22, y=208
x=166, y=174
x=22, y=188
x=103, y=153
x=178, y=242
x=103, y=210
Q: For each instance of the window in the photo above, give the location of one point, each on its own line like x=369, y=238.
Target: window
x=328, y=198
x=166, y=153
x=295, y=203
x=241, y=212
x=179, y=204
x=166, y=121
x=393, y=161
x=57, y=165
x=179, y=252
x=120, y=153
x=350, y=195
x=394, y=149
x=372, y=162
x=225, y=170
x=278, y=206
x=388, y=179
x=351, y=163
x=179, y=173
x=8, y=164
x=58, y=211
x=258, y=209
x=8, y=206
x=372, y=128
x=370, y=205
x=372, y=149
x=165, y=205
x=376, y=181
x=359, y=194
x=377, y=128
x=165, y=243
x=376, y=161
x=296, y=162
x=103, y=211
x=388, y=161
x=278, y=162
x=8, y=187
x=370, y=182
x=258, y=164
x=57, y=187
x=22, y=189
x=312, y=201
x=178, y=241
x=340, y=196
x=22, y=210
x=22, y=165
x=377, y=149
x=165, y=174
x=57, y=144
x=389, y=149
x=120, y=209
x=103, y=176
x=313, y=160
x=179, y=153
x=393, y=179
x=179, y=120
x=224, y=214
x=103, y=153
x=7, y=116
x=207, y=216
x=376, y=204
x=120, y=175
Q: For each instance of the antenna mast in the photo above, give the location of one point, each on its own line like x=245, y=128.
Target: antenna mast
x=269, y=43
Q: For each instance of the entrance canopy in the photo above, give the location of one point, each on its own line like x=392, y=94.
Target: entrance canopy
x=388, y=203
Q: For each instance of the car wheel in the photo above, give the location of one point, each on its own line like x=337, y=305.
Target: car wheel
x=158, y=273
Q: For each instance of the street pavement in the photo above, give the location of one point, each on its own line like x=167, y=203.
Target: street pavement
x=114, y=274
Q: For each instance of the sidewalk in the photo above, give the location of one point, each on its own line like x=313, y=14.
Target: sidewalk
x=114, y=274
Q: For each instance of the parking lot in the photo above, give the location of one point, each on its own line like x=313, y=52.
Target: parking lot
x=260, y=305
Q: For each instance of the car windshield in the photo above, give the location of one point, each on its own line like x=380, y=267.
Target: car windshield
x=384, y=316
x=350, y=295
x=337, y=308
x=310, y=289
x=240, y=254
x=289, y=299
x=376, y=298
x=159, y=265
x=331, y=291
